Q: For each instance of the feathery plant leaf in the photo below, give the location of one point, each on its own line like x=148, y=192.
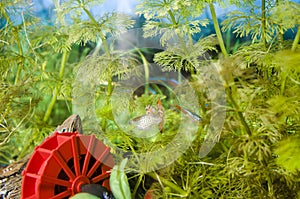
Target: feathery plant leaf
x=250, y=24
x=284, y=15
x=190, y=59
x=71, y=15
x=171, y=19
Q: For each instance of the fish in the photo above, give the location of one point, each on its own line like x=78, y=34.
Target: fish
x=151, y=118
x=189, y=113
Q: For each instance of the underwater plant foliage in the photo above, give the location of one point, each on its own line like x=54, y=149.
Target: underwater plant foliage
x=256, y=153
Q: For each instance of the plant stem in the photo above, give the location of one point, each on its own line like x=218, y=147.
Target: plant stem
x=283, y=83
x=19, y=68
x=137, y=185
x=10, y=99
x=146, y=70
x=280, y=35
x=189, y=33
x=51, y=104
x=239, y=112
x=179, y=78
x=107, y=52
x=280, y=40
x=217, y=29
x=296, y=40
x=168, y=183
x=56, y=90
x=99, y=32
x=263, y=23
x=20, y=64
x=176, y=24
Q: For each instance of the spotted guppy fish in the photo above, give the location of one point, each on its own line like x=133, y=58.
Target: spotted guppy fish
x=152, y=117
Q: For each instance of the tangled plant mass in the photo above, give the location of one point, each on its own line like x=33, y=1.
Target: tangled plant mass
x=230, y=100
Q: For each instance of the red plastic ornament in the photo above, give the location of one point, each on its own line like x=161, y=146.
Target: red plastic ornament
x=64, y=162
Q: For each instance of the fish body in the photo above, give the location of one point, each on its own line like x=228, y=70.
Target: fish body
x=146, y=121
x=189, y=113
x=151, y=118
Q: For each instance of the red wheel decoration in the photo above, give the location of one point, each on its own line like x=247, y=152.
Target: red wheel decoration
x=64, y=162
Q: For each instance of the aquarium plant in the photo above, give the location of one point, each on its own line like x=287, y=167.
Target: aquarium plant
x=253, y=57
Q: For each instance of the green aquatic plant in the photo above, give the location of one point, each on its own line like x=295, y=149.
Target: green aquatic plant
x=252, y=127
x=37, y=64
x=256, y=153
